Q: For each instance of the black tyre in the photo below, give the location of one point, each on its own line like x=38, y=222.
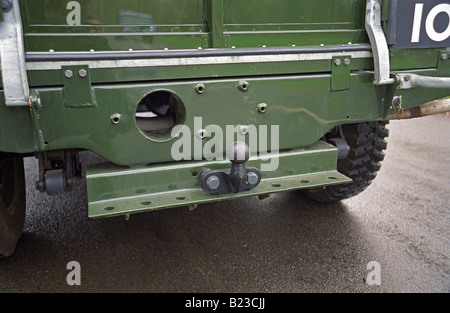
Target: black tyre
x=367, y=143
x=12, y=204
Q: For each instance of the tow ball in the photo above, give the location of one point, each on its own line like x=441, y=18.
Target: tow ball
x=236, y=179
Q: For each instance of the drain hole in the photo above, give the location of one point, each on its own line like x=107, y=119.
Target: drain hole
x=158, y=113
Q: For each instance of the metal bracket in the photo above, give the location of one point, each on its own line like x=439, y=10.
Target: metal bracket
x=408, y=81
x=223, y=181
x=340, y=73
x=379, y=44
x=77, y=86
x=12, y=54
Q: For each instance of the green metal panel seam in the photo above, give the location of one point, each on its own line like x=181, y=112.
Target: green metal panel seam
x=215, y=23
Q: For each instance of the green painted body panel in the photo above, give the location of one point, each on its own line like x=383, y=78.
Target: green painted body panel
x=306, y=98
x=113, y=25
x=185, y=24
x=310, y=112
x=303, y=106
x=300, y=94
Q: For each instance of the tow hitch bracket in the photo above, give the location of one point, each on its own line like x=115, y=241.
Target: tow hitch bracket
x=238, y=178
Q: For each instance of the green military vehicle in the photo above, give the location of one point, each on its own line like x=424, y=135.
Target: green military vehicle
x=194, y=101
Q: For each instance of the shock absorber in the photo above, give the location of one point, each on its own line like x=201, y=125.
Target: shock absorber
x=59, y=171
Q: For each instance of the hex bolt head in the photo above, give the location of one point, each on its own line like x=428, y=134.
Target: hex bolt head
x=347, y=61
x=213, y=182
x=252, y=178
x=82, y=73
x=337, y=62
x=68, y=74
x=444, y=56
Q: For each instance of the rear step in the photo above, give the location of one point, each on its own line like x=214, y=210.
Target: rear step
x=114, y=190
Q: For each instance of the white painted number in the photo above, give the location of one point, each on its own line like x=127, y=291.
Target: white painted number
x=417, y=20
x=429, y=23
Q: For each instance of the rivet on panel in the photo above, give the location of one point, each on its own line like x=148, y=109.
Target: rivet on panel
x=200, y=88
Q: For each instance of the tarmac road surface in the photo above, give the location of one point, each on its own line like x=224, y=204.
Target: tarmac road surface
x=286, y=243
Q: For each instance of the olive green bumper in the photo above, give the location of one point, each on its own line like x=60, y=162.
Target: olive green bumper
x=114, y=190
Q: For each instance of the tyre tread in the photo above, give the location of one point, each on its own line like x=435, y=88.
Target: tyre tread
x=367, y=143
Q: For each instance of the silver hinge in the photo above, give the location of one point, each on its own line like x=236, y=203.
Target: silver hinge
x=12, y=55
x=379, y=44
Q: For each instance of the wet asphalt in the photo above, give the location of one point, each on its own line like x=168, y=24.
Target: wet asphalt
x=286, y=243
